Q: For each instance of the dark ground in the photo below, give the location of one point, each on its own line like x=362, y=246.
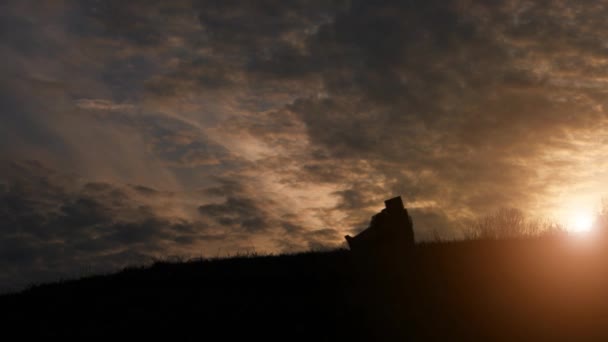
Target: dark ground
x=529, y=289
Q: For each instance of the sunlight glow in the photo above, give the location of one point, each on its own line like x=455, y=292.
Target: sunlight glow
x=582, y=222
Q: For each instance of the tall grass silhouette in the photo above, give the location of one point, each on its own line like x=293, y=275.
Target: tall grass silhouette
x=510, y=223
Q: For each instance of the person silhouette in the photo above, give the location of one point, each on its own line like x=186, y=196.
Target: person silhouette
x=391, y=228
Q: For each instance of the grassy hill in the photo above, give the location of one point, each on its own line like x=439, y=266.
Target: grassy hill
x=519, y=289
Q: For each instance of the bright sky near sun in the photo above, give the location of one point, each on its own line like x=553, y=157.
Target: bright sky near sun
x=583, y=222
x=578, y=214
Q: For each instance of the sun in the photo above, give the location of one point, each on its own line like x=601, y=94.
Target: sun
x=582, y=222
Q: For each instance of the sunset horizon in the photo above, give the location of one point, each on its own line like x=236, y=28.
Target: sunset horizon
x=138, y=130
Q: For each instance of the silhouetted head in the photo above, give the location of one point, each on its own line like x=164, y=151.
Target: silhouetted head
x=394, y=204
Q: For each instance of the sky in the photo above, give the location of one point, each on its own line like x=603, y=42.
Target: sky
x=139, y=129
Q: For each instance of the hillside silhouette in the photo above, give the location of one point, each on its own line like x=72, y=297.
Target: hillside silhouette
x=494, y=289
x=548, y=287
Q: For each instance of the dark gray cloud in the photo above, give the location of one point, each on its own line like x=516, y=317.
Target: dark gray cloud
x=136, y=22
x=51, y=222
x=236, y=213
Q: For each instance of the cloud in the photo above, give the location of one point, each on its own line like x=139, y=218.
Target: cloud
x=103, y=105
x=54, y=224
x=236, y=213
x=51, y=222
x=447, y=105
